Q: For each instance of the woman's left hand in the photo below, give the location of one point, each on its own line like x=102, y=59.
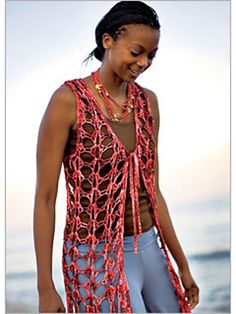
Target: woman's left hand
x=190, y=286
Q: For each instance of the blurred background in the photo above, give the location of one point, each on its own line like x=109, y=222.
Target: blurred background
x=46, y=42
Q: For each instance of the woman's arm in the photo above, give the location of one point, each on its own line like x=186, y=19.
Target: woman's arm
x=59, y=117
x=191, y=288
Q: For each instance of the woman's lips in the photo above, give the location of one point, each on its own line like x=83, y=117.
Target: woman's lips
x=134, y=73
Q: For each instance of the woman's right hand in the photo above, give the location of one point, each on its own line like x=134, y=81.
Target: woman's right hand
x=50, y=302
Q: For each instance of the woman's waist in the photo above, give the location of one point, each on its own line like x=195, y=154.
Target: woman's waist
x=144, y=240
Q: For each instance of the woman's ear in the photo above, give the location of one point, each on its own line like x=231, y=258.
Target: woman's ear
x=107, y=41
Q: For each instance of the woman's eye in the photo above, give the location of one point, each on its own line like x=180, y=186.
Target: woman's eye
x=152, y=57
x=134, y=53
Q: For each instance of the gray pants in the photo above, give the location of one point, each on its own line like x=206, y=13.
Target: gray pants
x=150, y=285
x=151, y=289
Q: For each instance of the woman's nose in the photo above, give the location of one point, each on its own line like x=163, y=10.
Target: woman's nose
x=143, y=62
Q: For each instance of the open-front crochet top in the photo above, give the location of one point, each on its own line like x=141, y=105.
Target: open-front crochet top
x=125, y=130
x=97, y=175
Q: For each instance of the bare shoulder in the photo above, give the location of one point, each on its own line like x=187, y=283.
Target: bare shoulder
x=63, y=97
x=150, y=94
x=154, y=107
x=63, y=104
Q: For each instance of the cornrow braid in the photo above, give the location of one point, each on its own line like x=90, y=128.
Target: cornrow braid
x=122, y=13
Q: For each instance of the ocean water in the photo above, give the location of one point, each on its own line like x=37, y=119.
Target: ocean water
x=203, y=230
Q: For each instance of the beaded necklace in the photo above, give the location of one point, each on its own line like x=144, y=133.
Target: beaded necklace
x=109, y=100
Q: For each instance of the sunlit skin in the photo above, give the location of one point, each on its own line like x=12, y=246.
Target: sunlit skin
x=125, y=59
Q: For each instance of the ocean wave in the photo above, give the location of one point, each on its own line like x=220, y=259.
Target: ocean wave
x=16, y=275
x=211, y=255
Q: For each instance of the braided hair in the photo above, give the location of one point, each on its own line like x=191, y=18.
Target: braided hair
x=122, y=13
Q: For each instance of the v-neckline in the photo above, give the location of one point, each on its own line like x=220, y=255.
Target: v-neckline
x=104, y=117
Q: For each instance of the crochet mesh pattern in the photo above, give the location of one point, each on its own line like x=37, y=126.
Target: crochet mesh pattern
x=96, y=176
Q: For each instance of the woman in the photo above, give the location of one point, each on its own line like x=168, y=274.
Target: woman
x=104, y=129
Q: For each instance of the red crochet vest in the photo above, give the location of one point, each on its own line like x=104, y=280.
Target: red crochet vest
x=100, y=157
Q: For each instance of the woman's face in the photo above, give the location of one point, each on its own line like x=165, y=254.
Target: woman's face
x=133, y=52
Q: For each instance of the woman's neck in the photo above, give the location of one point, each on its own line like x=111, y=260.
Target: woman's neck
x=112, y=83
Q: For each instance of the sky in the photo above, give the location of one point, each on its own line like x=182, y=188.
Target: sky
x=46, y=42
